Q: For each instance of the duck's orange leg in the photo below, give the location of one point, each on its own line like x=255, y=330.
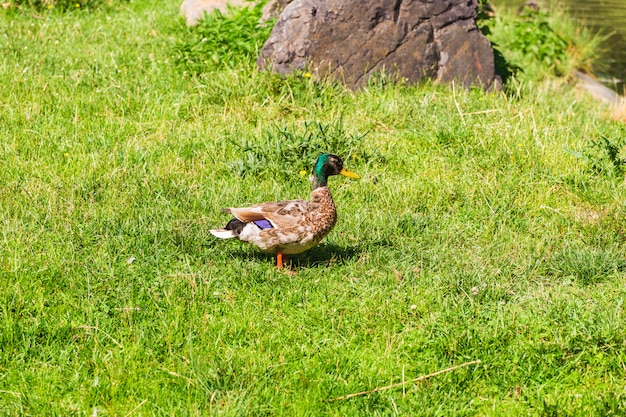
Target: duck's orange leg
x=281, y=260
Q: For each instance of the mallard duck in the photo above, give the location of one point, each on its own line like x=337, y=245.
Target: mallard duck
x=293, y=226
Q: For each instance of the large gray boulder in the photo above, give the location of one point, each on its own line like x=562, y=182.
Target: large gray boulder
x=351, y=40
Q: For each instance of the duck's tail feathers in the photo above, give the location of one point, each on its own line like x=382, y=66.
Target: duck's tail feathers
x=232, y=229
x=223, y=233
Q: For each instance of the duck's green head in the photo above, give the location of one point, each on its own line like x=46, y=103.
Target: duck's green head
x=326, y=165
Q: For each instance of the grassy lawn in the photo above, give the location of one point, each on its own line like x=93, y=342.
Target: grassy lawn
x=486, y=226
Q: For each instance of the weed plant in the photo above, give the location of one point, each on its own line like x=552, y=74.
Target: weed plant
x=475, y=233
x=285, y=150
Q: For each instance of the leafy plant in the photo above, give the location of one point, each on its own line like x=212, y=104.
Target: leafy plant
x=533, y=36
x=484, y=14
x=223, y=41
x=286, y=151
x=485, y=21
x=604, y=156
x=532, y=44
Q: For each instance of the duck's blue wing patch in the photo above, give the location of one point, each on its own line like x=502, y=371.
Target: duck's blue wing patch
x=263, y=224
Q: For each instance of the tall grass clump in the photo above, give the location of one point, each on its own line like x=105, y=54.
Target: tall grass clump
x=283, y=151
x=223, y=41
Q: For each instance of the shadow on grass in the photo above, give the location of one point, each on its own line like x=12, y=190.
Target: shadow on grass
x=322, y=255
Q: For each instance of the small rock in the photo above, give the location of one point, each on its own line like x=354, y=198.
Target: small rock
x=273, y=9
x=193, y=10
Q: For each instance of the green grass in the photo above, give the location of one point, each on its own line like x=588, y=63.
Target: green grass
x=475, y=233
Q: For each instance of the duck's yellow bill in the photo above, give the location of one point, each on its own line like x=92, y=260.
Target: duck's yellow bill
x=349, y=174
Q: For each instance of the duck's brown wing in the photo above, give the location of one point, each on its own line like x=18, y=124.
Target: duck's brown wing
x=283, y=214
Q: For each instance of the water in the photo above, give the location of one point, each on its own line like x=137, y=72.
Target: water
x=608, y=17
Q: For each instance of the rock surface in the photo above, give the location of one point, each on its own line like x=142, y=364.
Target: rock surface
x=597, y=90
x=409, y=39
x=193, y=10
